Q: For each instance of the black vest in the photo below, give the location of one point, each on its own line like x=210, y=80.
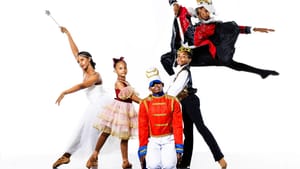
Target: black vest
x=189, y=85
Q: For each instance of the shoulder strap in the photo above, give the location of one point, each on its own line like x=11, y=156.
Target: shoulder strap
x=190, y=81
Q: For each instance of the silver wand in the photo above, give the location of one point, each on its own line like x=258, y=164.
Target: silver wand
x=49, y=14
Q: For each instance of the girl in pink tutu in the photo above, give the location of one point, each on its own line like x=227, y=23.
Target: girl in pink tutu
x=118, y=119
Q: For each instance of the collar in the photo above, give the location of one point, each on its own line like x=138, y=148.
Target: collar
x=179, y=68
x=158, y=94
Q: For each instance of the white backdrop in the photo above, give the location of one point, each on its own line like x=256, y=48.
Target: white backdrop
x=245, y=113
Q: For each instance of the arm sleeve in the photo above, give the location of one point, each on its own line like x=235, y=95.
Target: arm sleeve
x=245, y=29
x=143, y=127
x=126, y=93
x=177, y=123
x=179, y=84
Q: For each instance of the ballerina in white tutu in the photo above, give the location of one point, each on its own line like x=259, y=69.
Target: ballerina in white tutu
x=86, y=135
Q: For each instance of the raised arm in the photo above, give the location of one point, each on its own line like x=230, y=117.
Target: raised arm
x=73, y=46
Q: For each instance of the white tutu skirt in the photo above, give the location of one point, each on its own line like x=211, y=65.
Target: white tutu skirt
x=86, y=136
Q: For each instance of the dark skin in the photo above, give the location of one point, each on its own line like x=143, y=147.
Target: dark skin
x=155, y=89
x=90, y=76
x=176, y=9
x=121, y=71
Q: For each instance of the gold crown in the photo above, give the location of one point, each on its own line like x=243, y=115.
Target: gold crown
x=204, y=1
x=184, y=49
x=152, y=72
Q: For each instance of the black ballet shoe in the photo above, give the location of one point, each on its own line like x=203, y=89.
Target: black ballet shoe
x=267, y=73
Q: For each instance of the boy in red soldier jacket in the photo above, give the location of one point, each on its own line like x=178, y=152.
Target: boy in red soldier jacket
x=160, y=127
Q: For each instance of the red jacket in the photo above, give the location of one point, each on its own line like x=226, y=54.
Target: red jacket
x=204, y=31
x=160, y=116
x=201, y=34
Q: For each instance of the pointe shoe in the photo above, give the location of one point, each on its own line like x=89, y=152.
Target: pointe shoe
x=92, y=162
x=223, y=163
x=126, y=165
x=62, y=160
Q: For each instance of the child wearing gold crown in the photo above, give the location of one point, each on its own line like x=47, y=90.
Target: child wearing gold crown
x=160, y=127
x=182, y=88
x=212, y=41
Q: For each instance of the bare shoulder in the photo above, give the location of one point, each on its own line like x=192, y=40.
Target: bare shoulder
x=119, y=84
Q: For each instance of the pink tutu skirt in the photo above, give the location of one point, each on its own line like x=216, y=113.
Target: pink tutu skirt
x=118, y=119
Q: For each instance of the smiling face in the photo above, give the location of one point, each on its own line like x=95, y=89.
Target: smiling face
x=121, y=69
x=203, y=13
x=156, y=88
x=183, y=58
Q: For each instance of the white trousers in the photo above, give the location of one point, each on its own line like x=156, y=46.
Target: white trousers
x=161, y=153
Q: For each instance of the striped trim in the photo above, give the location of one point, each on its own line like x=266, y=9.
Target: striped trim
x=157, y=115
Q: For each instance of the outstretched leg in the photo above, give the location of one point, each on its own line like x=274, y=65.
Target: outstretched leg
x=74, y=146
x=247, y=68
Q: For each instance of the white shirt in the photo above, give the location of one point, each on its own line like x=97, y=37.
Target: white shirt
x=179, y=82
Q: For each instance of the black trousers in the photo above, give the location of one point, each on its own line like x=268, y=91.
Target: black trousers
x=192, y=116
